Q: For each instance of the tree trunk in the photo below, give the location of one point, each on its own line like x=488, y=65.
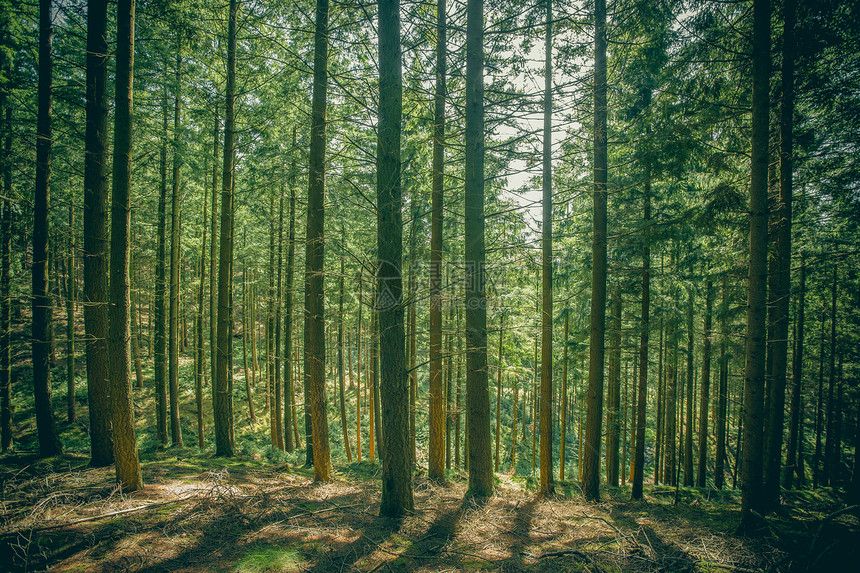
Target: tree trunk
x=358, y=356
x=222, y=402
x=499, y=369
x=688, y=434
x=830, y=445
x=437, y=399
x=122, y=405
x=160, y=366
x=754, y=376
x=641, y=406
x=546, y=485
x=315, y=256
x=213, y=259
x=277, y=412
x=340, y=370
x=289, y=393
x=819, y=408
x=5, y=278
x=198, y=334
x=613, y=398
x=793, y=467
x=49, y=443
x=594, y=421
x=70, y=318
x=173, y=336
x=562, y=447
x=705, y=398
x=722, y=404
x=396, y=458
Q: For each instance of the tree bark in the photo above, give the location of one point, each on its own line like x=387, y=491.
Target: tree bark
x=642, y=394
x=722, y=404
x=754, y=375
x=613, y=398
x=122, y=419
x=198, y=334
x=173, y=335
x=793, y=466
x=5, y=281
x=70, y=318
x=160, y=350
x=340, y=369
x=221, y=391
x=688, y=434
x=563, y=446
x=705, y=397
x=49, y=443
x=315, y=255
x=594, y=417
x=477, y=393
x=289, y=393
x=546, y=483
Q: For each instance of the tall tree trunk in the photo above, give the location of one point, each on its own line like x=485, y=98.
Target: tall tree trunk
x=563, y=446
x=780, y=294
x=289, y=393
x=135, y=323
x=437, y=448
x=829, y=444
x=358, y=365
x=221, y=391
x=160, y=350
x=613, y=398
x=315, y=255
x=49, y=443
x=688, y=434
x=594, y=421
x=173, y=335
x=5, y=280
x=70, y=318
x=340, y=370
x=819, y=408
x=198, y=331
x=642, y=395
x=793, y=467
x=705, y=397
x=499, y=371
x=277, y=408
x=722, y=403
x=213, y=257
x=371, y=383
x=754, y=376
x=546, y=485
x=122, y=419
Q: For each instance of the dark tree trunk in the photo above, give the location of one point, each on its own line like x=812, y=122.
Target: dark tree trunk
x=277, y=413
x=199, y=352
x=5, y=268
x=639, y=450
x=160, y=350
x=173, y=335
x=315, y=257
x=793, y=465
x=340, y=369
x=597, y=344
x=122, y=418
x=49, y=443
x=563, y=445
x=754, y=377
x=436, y=470
x=222, y=388
x=477, y=392
x=705, y=398
x=780, y=276
x=546, y=485
x=70, y=318
x=830, y=428
x=688, y=434
x=613, y=398
x=289, y=394
x=722, y=404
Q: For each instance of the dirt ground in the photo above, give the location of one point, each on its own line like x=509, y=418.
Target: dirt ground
x=204, y=514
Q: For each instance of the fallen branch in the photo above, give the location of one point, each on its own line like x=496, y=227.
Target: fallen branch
x=102, y=516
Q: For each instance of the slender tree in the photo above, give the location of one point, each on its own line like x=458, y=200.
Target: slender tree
x=49, y=443
x=642, y=393
x=122, y=405
x=594, y=417
x=705, y=391
x=289, y=415
x=5, y=278
x=315, y=257
x=222, y=396
x=722, y=403
x=546, y=482
x=173, y=325
x=794, y=457
x=688, y=426
x=161, y=370
x=754, y=376
x=477, y=392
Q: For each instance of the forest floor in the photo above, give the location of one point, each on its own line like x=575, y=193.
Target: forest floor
x=199, y=513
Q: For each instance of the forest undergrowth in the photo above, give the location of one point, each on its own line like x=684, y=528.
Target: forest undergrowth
x=199, y=513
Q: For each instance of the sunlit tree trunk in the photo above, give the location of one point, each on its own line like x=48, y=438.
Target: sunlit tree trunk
x=594, y=421
x=289, y=392
x=546, y=485
x=122, y=405
x=199, y=353
x=340, y=370
x=160, y=364
x=222, y=395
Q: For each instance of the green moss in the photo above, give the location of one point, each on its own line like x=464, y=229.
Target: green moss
x=261, y=557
